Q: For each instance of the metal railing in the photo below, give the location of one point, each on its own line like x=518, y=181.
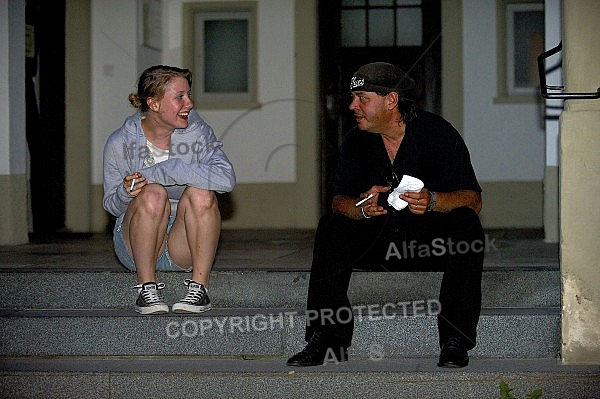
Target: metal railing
x=558, y=90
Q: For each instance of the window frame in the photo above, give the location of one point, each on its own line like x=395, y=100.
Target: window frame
x=194, y=49
x=151, y=17
x=507, y=92
x=367, y=8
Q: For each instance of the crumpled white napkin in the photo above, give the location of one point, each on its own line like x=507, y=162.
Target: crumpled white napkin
x=408, y=183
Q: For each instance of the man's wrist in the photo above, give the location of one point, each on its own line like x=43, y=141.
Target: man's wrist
x=432, y=201
x=362, y=210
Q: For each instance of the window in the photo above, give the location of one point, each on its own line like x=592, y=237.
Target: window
x=152, y=24
x=521, y=40
x=382, y=23
x=222, y=53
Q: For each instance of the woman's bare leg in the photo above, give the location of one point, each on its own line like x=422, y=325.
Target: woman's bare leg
x=195, y=233
x=144, y=229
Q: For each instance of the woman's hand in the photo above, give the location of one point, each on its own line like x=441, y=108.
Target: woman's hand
x=134, y=183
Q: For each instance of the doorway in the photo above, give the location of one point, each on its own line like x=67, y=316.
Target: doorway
x=355, y=32
x=45, y=114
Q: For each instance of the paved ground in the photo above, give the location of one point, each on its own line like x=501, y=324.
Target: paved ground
x=253, y=249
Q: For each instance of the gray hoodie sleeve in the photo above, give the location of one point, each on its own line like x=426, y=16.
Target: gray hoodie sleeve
x=202, y=162
x=116, y=167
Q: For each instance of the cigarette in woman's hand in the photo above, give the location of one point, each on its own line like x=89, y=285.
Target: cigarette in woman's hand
x=132, y=184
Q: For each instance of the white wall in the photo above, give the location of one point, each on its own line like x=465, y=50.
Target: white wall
x=13, y=146
x=506, y=140
x=260, y=142
x=553, y=19
x=114, y=71
x=4, y=82
x=14, y=163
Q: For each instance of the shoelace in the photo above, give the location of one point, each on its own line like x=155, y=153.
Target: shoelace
x=151, y=295
x=195, y=293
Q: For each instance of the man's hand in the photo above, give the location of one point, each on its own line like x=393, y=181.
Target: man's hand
x=370, y=208
x=417, y=201
x=346, y=205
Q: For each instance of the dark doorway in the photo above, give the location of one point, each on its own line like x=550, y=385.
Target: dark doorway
x=355, y=32
x=45, y=114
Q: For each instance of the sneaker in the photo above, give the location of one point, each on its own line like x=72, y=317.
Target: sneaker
x=196, y=300
x=149, y=300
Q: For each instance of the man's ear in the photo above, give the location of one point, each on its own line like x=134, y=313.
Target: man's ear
x=392, y=100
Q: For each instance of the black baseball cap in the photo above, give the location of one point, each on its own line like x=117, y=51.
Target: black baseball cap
x=381, y=77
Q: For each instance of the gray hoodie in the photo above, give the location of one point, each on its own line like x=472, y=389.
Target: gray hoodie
x=196, y=159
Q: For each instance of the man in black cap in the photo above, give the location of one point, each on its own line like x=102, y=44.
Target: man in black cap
x=422, y=214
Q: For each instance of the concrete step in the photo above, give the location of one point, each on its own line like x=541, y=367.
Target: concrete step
x=194, y=376
x=502, y=288
x=261, y=313
x=69, y=330
x=503, y=333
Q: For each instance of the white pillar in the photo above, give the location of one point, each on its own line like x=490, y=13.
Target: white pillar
x=580, y=185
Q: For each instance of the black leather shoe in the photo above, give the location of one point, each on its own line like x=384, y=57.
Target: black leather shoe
x=453, y=354
x=321, y=349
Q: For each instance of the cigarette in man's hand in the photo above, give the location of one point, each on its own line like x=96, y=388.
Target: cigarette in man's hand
x=132, y=184
x=362, y=201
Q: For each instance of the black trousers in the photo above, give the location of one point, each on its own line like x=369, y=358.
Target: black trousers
x=452, y=243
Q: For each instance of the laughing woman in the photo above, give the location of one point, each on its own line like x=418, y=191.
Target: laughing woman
x=162, y=170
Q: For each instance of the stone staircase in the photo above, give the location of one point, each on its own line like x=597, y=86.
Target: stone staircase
x=71, y=331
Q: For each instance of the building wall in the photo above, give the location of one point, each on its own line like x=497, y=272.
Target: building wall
x=13, y=146
x=78, y=138
x=552, y=109
x=506, y=138
x=272, y=146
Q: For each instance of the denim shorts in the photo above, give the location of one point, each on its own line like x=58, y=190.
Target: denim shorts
x=164, y=262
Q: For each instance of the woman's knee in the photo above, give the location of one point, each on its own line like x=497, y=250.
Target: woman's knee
x=198, y=198
x=154, y=200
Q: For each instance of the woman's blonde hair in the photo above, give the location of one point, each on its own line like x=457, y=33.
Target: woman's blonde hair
x=153, y=83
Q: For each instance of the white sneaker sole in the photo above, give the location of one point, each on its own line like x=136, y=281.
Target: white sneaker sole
x=186, y=308
x=156, y=309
